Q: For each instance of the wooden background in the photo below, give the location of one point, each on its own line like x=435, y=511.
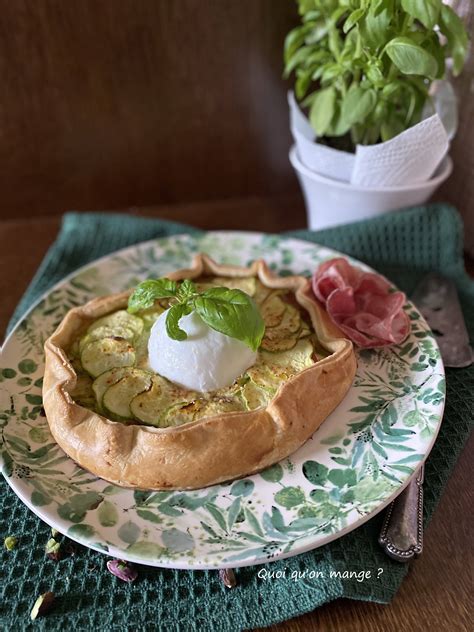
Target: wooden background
x=112, y=103
x=119, y=103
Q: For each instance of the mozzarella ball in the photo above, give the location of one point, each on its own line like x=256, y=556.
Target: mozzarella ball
x=206, y=361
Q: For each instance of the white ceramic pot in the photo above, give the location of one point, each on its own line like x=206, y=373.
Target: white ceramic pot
x=331, y=202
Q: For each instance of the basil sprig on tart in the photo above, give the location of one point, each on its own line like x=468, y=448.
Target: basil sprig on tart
x=112, y=363
x=229, y=311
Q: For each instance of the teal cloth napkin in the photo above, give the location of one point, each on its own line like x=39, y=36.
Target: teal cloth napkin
x=403, y=246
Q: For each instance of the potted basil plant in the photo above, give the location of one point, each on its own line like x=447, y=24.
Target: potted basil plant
x=364, y=75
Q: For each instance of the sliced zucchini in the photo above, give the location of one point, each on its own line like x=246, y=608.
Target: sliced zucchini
x=266, y=377
x=285, y=335
x=149, y=316
x=118, y=319
x=246, y=284
x=272, y=310
x=104, y=331
x=254, y=396
x=294, y=360
x=233, y=390
x=291, y=321
x=262, y=292
x=273, y=341
x=106, y=380
x=217, y=406
x=117, y=398
x=182, y=413
x=150, y=405
x=105, y=354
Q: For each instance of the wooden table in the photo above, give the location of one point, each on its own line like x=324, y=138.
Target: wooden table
x=437, y=593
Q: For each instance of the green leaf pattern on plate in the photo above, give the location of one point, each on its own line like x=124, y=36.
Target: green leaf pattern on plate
x=355, y=462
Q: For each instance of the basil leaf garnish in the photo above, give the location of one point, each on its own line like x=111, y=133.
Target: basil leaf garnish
x=186, y=290
x=231, y=312
x=173, y=317
x=148, y=292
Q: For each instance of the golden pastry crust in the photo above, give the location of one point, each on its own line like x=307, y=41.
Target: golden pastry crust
x=211, y=450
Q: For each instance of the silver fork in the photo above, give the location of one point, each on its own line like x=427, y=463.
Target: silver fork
x=402, y=531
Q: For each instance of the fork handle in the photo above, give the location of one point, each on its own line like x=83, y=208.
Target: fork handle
x=402, y=531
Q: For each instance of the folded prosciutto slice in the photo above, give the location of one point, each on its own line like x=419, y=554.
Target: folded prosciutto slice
x=362, y=304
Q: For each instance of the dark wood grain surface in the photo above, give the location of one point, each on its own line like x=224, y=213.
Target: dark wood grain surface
x=437, y=593
x=459, y=188
x=107, y=104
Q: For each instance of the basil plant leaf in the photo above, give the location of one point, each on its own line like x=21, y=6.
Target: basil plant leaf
x=387, y=46
x=378, y=6
x=339, y=125
x=452, y=27
x=295, y=39
x=357, y=105
x=426, y=11
x=322, y=110
x=410, y=58
x=375, y=28
x=353, y=18
x=147, y=292
x=173, y=316
x=233, y=313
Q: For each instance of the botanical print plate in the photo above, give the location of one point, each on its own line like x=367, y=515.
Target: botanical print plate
x=353, y=466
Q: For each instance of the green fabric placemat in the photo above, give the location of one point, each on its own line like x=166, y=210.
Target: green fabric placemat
x=403, y=246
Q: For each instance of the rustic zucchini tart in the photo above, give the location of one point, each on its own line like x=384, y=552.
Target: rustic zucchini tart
x=118, y=417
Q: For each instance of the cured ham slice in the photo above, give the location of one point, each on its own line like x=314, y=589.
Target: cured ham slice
x=362, y=304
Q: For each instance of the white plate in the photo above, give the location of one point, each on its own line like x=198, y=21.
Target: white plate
x=353, y=466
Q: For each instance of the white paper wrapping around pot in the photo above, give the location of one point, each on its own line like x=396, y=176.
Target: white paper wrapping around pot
x=299, y=124
x=409, y=158
x=324, y=160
